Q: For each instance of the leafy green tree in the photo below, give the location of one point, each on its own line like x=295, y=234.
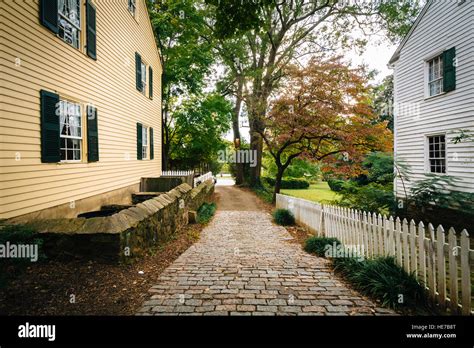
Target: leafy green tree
x=182, y=35
x=278, y=33
x=379, y=167
x=373, y=190
x=383, y=103
x=200, y=124
x=299, y=168
x=322, y=114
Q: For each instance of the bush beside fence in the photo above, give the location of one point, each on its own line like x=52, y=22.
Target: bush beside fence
x=440, y=261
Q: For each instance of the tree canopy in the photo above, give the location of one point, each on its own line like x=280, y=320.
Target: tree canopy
x=200, y=124
x=322, y=113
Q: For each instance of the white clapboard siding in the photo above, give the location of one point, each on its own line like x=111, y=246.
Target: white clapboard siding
x=32, y=58
x=440, y=261
x=444, y=24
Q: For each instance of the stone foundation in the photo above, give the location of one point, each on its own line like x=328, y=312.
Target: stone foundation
x=127, y=234
x=67, y=210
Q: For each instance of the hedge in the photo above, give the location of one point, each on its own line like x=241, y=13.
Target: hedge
x=292, y=183
x=336, y=185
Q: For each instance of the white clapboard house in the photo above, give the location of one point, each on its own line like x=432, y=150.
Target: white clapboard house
x=434, y=94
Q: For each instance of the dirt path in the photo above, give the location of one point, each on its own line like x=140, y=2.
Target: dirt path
x=245, y=265
x=232, y=198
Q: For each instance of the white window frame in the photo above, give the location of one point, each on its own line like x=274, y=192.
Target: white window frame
x=428, y=153
x=144, y=142
x=65, y=106
x=435, y=55
x=132, y=7
x=77, y=26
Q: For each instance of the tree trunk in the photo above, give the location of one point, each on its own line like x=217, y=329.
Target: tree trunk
x=256, y=122
x=239, y=175
x=256, y=146
x=278, y=179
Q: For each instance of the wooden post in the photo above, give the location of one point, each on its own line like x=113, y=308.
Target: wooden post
x=421, y=253
x=431, y=266
x=453, y=252
x=405, y=248
x=441, y=265
x=398, y=243
x=413, y=256
x=391, y=236
x=465, y=274
x=380, y=234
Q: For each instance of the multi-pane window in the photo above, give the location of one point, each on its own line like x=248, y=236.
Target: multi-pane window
x=70, y=124
x=143, y=78
x=435, y=76
x=144, y=142
x=437, y=154
x=69, y=21
x=132, y=6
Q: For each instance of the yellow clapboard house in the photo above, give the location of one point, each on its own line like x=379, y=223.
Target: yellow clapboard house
x=80, y=104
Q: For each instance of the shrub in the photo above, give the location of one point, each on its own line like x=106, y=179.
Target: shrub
x=381, y=278
x=373, y=197
x=290, y=183
x=17, y=234
x=440, y=191
x=336, y=185
x=283, y=217
x=263, y=193
x=317, y=245
x=206, y=212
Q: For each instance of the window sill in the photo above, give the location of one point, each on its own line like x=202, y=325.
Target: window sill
x=82, y=50
x=144, y=94
x=134, y=15
x=435, y=96
x=436, y=174
x=69, y=162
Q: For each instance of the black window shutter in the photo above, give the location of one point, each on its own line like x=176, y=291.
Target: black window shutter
x=92, y=135
x=90, y=32
x=152, y=149
x=50, y=142
x=139, y=141
x=49, y=14
x=138, y=71
x=449, y=70
x=151, y=82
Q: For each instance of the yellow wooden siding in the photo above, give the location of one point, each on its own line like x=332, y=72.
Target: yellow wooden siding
x=46, y=62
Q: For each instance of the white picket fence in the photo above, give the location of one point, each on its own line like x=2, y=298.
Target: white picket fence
x=442, y=262
x=202, y=178
x=176, y=172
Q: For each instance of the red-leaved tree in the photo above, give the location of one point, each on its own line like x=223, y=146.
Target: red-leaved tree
x=322, y=113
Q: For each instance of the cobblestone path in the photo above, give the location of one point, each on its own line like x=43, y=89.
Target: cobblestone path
x=245, y=265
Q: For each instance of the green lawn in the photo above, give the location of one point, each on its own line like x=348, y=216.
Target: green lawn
x=319, y=192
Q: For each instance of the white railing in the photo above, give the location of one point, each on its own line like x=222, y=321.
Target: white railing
x=202, y=178
x=176, y=172
x=442, y=262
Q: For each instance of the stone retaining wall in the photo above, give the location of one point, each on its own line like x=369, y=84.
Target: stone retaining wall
x=127, y=234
